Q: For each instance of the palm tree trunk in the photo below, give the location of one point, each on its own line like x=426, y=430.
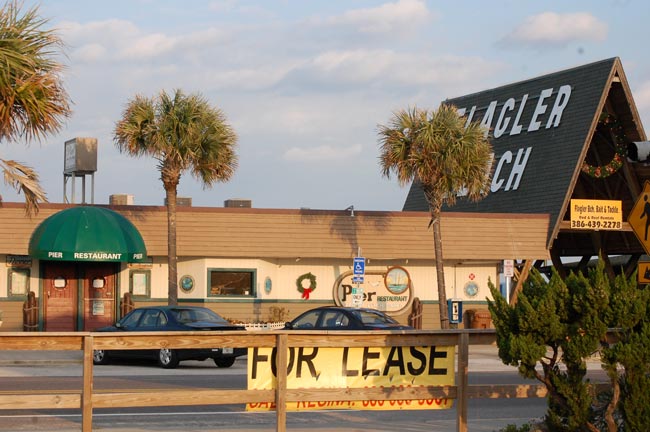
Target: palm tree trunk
x=172, y=272
x=440, y=270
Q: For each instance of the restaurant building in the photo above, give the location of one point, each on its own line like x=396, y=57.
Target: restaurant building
x=557, y=138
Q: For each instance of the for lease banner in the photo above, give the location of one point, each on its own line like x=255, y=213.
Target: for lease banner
x=384, y=367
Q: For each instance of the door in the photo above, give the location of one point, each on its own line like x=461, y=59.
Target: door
x=60, y=297
x=99, y=286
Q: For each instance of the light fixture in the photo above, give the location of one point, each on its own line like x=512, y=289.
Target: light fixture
x=351, y=210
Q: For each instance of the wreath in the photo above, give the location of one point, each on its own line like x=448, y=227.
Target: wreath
x=312, y=285
x=620, y=148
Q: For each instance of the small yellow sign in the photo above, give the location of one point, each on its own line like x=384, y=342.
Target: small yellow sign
x=596, y=214
x=639, y=217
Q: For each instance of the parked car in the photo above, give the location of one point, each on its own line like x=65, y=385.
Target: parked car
x=171, y=318
x=344, y=318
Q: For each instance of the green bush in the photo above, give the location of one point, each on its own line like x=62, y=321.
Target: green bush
x=514, y=428
x=557, y=324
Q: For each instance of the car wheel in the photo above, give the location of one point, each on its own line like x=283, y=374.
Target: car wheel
x=224, y=362
x=100, y=357
x=167, y=359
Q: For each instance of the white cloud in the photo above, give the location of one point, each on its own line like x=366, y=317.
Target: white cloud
x=149, y=46
x=550, y=29
x=642, y=100
x=322, y=153
x=105, y=32
x=642, y=96
x=370, y=67
x=120, y=40
x=222, y=5
x=92, y=52
x=398, y=17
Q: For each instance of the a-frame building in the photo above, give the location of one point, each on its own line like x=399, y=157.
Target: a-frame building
x=573, y=134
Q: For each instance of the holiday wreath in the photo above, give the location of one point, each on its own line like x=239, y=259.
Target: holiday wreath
x=312, y=285
x=602, y=171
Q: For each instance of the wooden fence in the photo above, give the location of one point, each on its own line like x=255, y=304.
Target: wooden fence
x=87, y=399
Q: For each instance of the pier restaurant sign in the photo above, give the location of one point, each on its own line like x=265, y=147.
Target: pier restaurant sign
x=388, y=290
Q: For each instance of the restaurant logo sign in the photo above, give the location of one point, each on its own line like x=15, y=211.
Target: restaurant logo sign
x=389, y=290
x=93, y=256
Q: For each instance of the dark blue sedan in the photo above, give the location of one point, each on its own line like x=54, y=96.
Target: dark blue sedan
x=171, y=318
x=344, y=318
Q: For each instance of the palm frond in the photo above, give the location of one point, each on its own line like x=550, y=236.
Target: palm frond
x=25, y=180
x=33, y=101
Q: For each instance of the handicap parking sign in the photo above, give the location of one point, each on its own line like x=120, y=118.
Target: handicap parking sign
x=359, y=265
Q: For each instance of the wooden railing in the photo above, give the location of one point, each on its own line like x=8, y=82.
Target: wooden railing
x=87, y=399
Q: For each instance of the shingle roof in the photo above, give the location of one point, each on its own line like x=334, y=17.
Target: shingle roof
x=556, y=149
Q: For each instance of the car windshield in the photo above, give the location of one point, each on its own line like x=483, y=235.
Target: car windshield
x=186, y=315
x=372, y=317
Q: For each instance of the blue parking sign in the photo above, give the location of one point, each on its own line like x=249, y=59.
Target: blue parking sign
x=359, y=265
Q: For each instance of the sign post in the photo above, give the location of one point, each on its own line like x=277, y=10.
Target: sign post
x=359, y=270
x=508, y=273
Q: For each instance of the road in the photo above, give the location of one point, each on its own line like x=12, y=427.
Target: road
x=485, y=415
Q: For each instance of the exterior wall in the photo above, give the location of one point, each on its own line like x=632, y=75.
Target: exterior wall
x=282, y=245
x=284, y=294
x=12, y=316
x=290, y=234
x=12, y=306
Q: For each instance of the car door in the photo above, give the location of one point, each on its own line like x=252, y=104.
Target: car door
x=308, y=321
x=151, y=320
x=334, y=320
x=130, y=322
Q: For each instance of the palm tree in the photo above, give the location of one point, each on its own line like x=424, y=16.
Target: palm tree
x=33, y=101
x=447, y=157
x=184, y=133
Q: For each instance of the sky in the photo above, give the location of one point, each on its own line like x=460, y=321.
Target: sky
x=306, y=84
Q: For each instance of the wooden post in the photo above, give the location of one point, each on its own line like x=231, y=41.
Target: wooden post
x=528, y=264
x=461, y=398
x=87, y=391
x=281, y=382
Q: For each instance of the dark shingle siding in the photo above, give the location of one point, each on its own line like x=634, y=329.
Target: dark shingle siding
x=555, y=152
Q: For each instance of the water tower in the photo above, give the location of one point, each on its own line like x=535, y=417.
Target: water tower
x=80, y=160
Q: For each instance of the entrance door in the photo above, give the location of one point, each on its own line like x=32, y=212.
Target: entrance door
x=99, y=295
x=60, y=297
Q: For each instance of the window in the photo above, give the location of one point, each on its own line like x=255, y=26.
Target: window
x=140, y=283
x=236, y=282
x=131, y=320
x=333, y=319
x=152, y=318
x=18, y=282
x=307, y=321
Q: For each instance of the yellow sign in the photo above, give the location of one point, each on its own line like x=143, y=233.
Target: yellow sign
x=385, y=367
x=639, y=217
x=596, y=214
x=643, y=275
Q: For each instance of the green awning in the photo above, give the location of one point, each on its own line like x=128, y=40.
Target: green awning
x=87, y=233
